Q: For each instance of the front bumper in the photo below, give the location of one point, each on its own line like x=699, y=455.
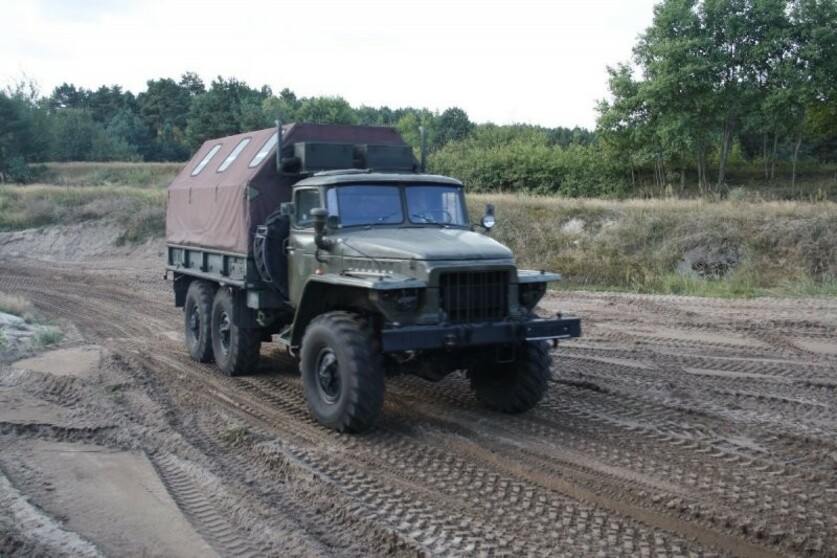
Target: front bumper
x=415, y=338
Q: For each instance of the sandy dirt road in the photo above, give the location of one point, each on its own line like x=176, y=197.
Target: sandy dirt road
x=674, y=427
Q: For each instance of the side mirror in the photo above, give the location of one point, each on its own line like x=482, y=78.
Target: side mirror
x=288, y=209
x=488, y=221
x=318, y=218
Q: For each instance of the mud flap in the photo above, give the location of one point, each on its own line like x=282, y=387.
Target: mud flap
x=243, y=316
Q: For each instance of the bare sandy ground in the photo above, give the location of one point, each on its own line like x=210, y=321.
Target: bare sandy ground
x=676, y=426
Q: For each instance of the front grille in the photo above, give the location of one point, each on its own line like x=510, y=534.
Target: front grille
x=474, y=296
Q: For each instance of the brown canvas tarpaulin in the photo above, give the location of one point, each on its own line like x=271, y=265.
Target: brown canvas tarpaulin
x=221, y=210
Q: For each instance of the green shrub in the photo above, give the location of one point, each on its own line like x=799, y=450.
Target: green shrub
x=47, y=337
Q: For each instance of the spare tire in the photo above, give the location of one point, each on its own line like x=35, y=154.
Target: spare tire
x=269, y=252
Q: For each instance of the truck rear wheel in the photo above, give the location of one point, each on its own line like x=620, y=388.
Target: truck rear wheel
x=517, y=386
x=197, y=311
x=342, y=373
x=236, y=348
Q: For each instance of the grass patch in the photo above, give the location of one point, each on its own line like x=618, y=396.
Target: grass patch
x=130, y=194
x=149, y=222
x=3, y=341
x=135, y=175
x=779, y=248
x=140, y=210
x=17, y=305
x=646, y=246
x=235, y=435
x=116, y=396
x=47, y=337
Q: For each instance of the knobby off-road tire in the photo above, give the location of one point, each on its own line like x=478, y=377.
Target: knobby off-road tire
x=197, y=313
x=517, y=386
x=342, y=372
x=236, y=348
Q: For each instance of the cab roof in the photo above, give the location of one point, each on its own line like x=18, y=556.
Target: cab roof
x=354, y=177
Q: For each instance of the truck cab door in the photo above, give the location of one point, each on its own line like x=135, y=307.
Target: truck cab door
x=301, y=248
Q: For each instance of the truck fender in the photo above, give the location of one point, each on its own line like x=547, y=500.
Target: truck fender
x=320, y=297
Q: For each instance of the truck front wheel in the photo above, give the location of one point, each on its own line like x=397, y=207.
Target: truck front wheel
x=517, y=386
x=342, y=372
x=236, y=348
x=197, y=311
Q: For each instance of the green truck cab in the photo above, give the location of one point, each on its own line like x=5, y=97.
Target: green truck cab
x=363, y=266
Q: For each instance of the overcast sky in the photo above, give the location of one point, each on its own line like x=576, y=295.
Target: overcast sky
x=540, y=62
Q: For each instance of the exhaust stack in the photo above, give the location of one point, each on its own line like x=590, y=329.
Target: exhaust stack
x=423, y=133
x=279, y=145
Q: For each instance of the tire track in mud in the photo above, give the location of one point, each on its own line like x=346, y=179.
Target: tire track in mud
x=612, y=471
x=509, y=466
x=805, y=411
x=204, y=517
x=701, y=473
x=227, y=392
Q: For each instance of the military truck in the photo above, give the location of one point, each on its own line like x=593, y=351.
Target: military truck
x=333, y=242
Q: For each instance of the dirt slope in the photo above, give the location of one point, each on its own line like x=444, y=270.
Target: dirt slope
x=674, y=427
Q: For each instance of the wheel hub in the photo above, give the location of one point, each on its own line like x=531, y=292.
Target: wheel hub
x=328, y=375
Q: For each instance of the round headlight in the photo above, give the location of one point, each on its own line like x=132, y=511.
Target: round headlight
x=488, y=221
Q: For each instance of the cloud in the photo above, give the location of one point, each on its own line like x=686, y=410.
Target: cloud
x=531, y=61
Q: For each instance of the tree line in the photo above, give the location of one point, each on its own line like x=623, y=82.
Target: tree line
x=711, y=83
x=716, y=75
x=171, y=118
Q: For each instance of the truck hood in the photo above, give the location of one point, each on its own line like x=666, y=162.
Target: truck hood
x=422, y=243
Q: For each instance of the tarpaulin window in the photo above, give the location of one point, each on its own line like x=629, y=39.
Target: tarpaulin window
x=206, y=159
x=264, y=151
x=235, y=152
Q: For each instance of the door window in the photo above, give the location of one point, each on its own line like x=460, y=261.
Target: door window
x=306, y=200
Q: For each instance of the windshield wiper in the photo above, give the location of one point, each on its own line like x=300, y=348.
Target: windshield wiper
x=381, y=219
x=428, y=220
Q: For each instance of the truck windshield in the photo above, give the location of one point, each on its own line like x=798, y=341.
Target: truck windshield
x=440, y=205
x=365, y=205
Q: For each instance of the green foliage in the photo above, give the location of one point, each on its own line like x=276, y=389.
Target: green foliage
x=740, y=87
x=410, y=123
x=164, y=102
x=714, y=70
x=504, y=159
x=76, y=136
x=47, y=337
x=127, y=127
x=283, y=108
x=106, y=102
x=18, y=170
x=378, y=116
x=326, y=110
x=22, y=136
x=67, y=96
x=452, y=125
x=229, y=107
